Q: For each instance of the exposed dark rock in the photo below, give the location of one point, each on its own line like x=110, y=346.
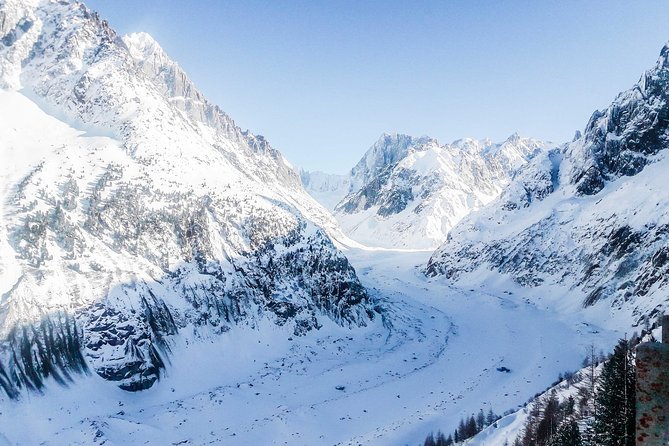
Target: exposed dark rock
x=622, y=140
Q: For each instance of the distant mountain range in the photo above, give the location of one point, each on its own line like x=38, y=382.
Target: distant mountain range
x=139, y=225
x=409, y=192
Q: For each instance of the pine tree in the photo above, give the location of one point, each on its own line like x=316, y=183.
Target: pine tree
x=615, y=399
x=441, y=439
x=491, y=417
x=480, y=421
x=471, y=427
x=548, y=423
x=587, y=402
x=461, y=431
x=429, y=441
x=567, y=434
x=569, y=407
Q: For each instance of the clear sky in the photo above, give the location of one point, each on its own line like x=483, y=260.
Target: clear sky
x=323, y=79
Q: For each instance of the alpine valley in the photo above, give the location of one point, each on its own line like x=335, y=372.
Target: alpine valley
x=169, y=278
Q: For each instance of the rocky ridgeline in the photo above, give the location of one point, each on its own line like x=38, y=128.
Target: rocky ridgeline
x=414, y=190
x=163, y=220
x=591, y=217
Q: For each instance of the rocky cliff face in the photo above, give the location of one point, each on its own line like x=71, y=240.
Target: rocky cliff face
x=588, y=223
x=388, y=150
x=409, y=192
x=140, y=212
x=328, y=189
x=624, y=138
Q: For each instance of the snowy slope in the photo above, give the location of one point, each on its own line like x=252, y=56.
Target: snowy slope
x=430, y=360
x=510, y=427
x=575, y=392
x=135, y=212
x=409, y=192
x=586, y=225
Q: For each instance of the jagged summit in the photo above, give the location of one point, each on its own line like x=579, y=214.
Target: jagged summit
x=586, y=224
x=387, y=150
x=140, y=213
x=330, y=189
x=408, y=192
x=624, y=138
x=143, y=46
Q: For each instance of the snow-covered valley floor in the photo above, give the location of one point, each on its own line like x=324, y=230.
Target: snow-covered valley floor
x=431, y=360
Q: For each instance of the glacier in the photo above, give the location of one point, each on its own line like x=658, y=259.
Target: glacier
x=169, y=278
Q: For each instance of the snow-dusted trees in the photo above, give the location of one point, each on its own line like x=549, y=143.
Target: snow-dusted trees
x=567, y=434
x=52, y=349
x=467, y=428
x=547, y=418
x=480, y=421
x=438, y=440
x=603, y=413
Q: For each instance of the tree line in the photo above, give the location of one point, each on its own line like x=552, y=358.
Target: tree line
x=467, y=428
x=601, y=411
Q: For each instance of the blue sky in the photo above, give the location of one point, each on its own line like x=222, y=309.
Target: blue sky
x=323, y=79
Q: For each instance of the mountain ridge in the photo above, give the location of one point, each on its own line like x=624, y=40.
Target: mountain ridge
x=407, y=192
x=587, y=222
x=172, y=219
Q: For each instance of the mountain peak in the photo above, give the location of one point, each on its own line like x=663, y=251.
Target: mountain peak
x=625, y=137
x=141, y=45
x=408, y=192
x=171, y=186
x=664, y=54
x=387, y=138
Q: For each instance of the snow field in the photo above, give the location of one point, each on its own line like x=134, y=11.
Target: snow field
x=430, y=361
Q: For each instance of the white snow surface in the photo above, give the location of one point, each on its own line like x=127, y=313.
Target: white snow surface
x=431, y=361
x=127, y=146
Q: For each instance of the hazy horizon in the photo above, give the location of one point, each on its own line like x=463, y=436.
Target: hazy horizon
x=323, y=80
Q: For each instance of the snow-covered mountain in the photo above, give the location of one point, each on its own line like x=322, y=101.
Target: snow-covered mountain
x=330, y=189
x=135, y=212
x=143, y=235
x=586, y=224
x=327, y=188
x=409, y=192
